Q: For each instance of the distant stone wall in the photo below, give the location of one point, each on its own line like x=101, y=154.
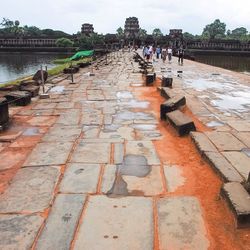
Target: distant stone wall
x=229, y=45
x=28, y=42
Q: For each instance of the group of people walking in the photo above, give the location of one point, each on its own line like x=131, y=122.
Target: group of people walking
x=163, y=52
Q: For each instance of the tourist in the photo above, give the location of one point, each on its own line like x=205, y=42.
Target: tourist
x=145, y=48
x=150, y=51
x=170, y=52
x=158, y=52
x=147, y=53
x=180, y=55
x=164, y=54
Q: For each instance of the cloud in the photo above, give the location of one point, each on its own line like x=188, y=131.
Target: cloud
x=108, y=15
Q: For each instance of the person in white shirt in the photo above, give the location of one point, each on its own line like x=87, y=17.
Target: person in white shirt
x=164, y=53
x=170, y=52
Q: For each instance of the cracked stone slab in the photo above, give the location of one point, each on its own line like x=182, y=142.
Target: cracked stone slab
x=122, y=132
x=144, y=148
x=225, y=141
x=71, y=117
x=62, y=133
x=240, y=162
x=127, y=227
x=241, y=126
x=30, y=190
x=92, y=152
x=63, y=220
x=49, y=153
x=19, y=231
x=91, y=131
x=80, y=178
x=244, y=137
x=181, y=225
x=108, y=178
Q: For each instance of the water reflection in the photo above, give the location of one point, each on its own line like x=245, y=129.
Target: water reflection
x=15, y=65
x=236, y=63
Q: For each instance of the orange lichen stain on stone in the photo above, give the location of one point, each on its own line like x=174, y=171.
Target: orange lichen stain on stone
x=201, y=180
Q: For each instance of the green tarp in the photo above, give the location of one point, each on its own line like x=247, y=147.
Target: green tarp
x=81, y=54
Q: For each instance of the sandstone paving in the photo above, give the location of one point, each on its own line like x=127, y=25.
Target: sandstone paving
x=71, y=117
x=19, y=231
x=181, y=224
x=144, y=148
x=92, y=152
x=108, y=178
x=240, y=162
x=31, y=190
x=118, y=224
x=63, y=220
x=80, y=178
x=225, y=141
x=244, y=137
x=49, y=153
x=62, y=133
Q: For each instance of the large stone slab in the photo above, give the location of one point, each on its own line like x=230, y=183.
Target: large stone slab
x=19, y=231
x=117, y=224
x=240, y=162
x=241, y=126
x=62, y=133
x=49, y=153
x=244, y=137
x=225, y=141
x=62, y=222
x=181, y=224
x=239, y=201
x=92, y=152
x=144, y=148
x=202, y=142
x=223, y=167
x=174, y=178
x=182, y=123
x=31, y=190
x=118, y=153
x=46, y=106
x=71, y=117
x=80, y=178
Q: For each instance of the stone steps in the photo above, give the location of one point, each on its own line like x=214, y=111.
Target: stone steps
x=182, y=123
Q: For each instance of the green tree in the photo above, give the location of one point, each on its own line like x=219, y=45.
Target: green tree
x=64, y=42
x=142, y=35
x=89, y=42
x=156, y=35
x=239, y=33
x=188, y=36
x=120, y=33
x=215, y=30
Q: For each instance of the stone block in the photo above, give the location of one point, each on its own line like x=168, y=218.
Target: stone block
x=171, y=105
x=182, y=123
x=20, y=98
x=167, y=82
x=4, y=112
x=149, y=79
x=166, y=93
x=32, y=89
x=239, y=201
x=223, y=167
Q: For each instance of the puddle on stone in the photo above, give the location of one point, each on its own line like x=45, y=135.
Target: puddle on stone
x=215, y=124
x=31, y=131
x=134, y=165
x=57, y=89
x=124, y=95
x=136, y=84
x=227, y=102
x=135, y=104
x=144, y=126
x=128, y=115
x=246, y=151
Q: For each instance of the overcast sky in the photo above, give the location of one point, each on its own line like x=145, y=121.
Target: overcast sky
x=108, y=15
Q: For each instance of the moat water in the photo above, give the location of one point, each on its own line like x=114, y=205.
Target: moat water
x=16, y=65
x=235, y=63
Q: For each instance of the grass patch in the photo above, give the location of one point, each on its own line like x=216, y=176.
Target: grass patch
x=52, y=72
